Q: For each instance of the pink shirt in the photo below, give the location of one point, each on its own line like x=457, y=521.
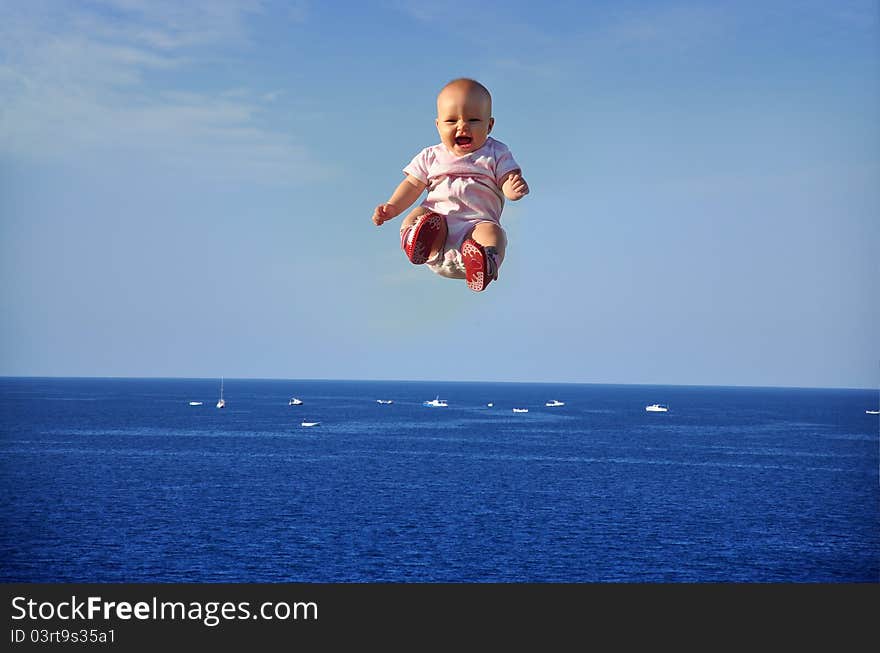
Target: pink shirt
x=467, y=187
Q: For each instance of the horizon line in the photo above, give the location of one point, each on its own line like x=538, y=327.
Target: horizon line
x=375, y=380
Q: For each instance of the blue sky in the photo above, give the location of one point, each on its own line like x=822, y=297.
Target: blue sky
x=186, y=190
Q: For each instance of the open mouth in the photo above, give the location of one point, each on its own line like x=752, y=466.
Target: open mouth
x=463, y=140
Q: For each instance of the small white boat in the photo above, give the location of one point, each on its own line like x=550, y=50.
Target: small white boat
x=520, y=410
x=311, y=423
x=555, y=402
x=657, y=408
x=195, y=403
x=436, y=403
x=384, y=401
x=872, y=412
x=294, y=402
x=490, y=404
x=221, y=403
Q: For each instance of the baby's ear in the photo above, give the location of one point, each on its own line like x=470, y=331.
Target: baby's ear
x=491, y=125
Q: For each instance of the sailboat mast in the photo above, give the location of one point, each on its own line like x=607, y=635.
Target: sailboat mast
x=221, y=403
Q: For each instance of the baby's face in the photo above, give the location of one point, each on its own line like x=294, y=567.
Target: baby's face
x=464, y=118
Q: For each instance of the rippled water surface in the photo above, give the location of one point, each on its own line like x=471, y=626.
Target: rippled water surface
x=121, y=480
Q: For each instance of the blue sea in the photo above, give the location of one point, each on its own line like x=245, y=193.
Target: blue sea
x=122, y=480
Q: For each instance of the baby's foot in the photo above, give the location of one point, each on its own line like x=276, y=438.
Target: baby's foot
x=480, y=264
x=416, y=240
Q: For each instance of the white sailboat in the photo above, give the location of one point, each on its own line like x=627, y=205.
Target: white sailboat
x=221, y=403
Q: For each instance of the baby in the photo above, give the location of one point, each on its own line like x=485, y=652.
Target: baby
x=457, y=230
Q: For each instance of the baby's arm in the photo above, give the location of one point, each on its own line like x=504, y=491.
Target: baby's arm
x=405, y=194
x=514, y=186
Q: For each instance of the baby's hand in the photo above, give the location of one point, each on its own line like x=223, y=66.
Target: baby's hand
x=517, y=188
x=384, y=213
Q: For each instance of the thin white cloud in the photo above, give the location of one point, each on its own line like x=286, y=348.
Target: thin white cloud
x=560, y=39
x=677, y=28
x=80, y=80
x=170, y=24
x=425, y=12
x=529, y=69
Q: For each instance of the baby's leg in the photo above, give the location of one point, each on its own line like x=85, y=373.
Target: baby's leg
x=482, y=252
x=490, y=234
x=433, y=237
x=412, y=216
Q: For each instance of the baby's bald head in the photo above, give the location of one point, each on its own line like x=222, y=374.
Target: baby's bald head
x=464, y=86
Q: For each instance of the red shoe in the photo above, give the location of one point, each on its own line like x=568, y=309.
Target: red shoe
x=416, y=241
x=479, y=265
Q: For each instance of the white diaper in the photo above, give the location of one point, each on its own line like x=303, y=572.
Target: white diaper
x=447, y=262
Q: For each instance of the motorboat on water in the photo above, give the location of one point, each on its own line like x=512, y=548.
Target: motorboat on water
x=384, y=401
x=294, y=402
x=657, y=408
x=195, y=403
x=555, y=402
x=520, y=410
x=311, y=424
x=436, y=403
x=872, y=412
x=490, y=404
